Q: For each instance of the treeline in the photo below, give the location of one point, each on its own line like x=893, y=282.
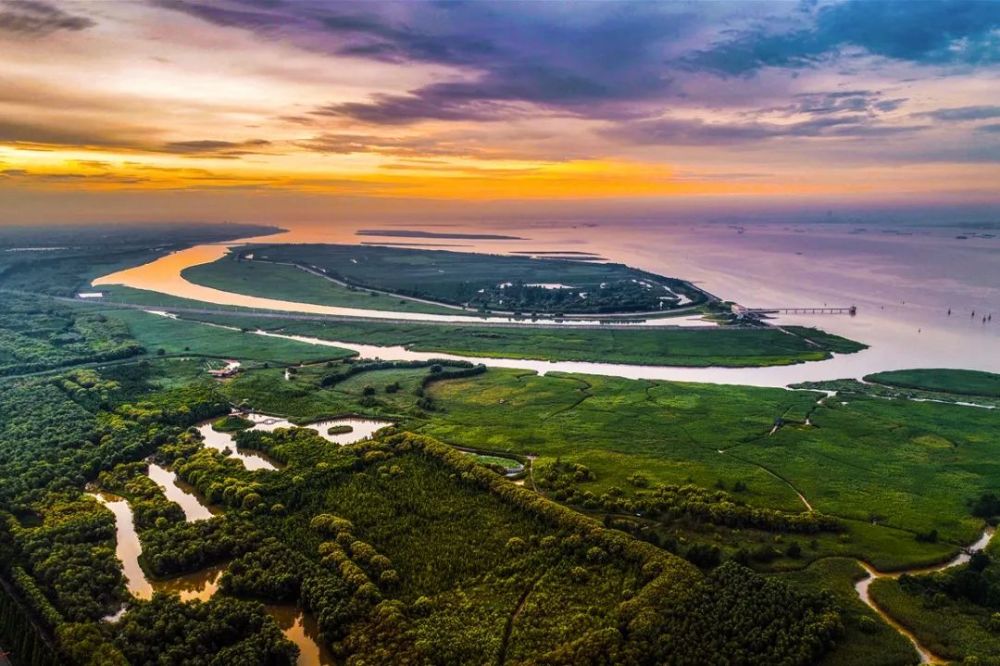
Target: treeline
x=668, y=502
x=56, y=436
x=978, y=583
x=403, y=549
x=187, y=547
x=150, y=507
x=51, y=442
x=71, y=555
x=351, y=369
x=787, y=627
x=607, y=297
x=398, y=558
x=38, y=335
x=335, y=590
x=19, y=636
x=219, y=631
x=438, y=374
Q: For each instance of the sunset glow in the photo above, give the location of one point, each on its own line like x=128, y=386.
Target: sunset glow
x=494, y=101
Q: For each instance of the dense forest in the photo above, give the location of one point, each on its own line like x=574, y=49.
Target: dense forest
x=38, y=335
x=402, y=548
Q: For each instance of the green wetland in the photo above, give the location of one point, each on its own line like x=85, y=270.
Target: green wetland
x=505, y=517
x=480, y=282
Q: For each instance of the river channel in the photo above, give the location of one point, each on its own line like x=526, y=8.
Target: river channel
x=863, y=585
x=297, y=626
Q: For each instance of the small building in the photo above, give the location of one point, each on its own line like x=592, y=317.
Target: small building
x=230, y=369
x=90, y=294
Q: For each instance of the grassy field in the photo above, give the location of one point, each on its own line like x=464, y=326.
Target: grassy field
x=285, y=282
x=955, y=612
x=179, y=337
x=950, y=629
x=911, y=467
x=493, y=282
x=960, y=382
x=443, y=559
x=302, y=399
x=887, y=469
x=726, y=347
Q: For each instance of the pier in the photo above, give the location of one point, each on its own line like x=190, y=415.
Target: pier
x=742, y=310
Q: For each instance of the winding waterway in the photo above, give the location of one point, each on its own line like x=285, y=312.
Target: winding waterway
x=223, y=442
x=163, y=275
x=863, y=585
x=179, y=492
x=360, y=429
x=915, y=286
x=127, y=546
x=297, y=626
x=839, y=367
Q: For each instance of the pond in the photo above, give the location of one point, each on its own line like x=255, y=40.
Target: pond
x=223, y=441
x=361, y=428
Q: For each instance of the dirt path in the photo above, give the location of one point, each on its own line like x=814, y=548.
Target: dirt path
x=509, y=627
x=809, y=507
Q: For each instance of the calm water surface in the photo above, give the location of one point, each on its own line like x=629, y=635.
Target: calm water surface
x=903, y=280
x=163, y=275
x=361, y=429
x=301, y=629
x=127, y=547
x=180, y=492
x=297, y=626
x=221, y=441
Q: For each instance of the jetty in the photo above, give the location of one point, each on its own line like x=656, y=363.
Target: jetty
x=742, y=310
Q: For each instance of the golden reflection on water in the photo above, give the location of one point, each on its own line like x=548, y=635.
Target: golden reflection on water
x=127, y=547
x=180, y=492
x=301, y=629
x=297, y=626
x=200, y=585
x=902, y=283
x=163, y=275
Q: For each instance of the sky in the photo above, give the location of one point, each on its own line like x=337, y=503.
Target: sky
x=284, y=110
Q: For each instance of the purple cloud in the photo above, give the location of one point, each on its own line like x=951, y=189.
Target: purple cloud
x=36, y=19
